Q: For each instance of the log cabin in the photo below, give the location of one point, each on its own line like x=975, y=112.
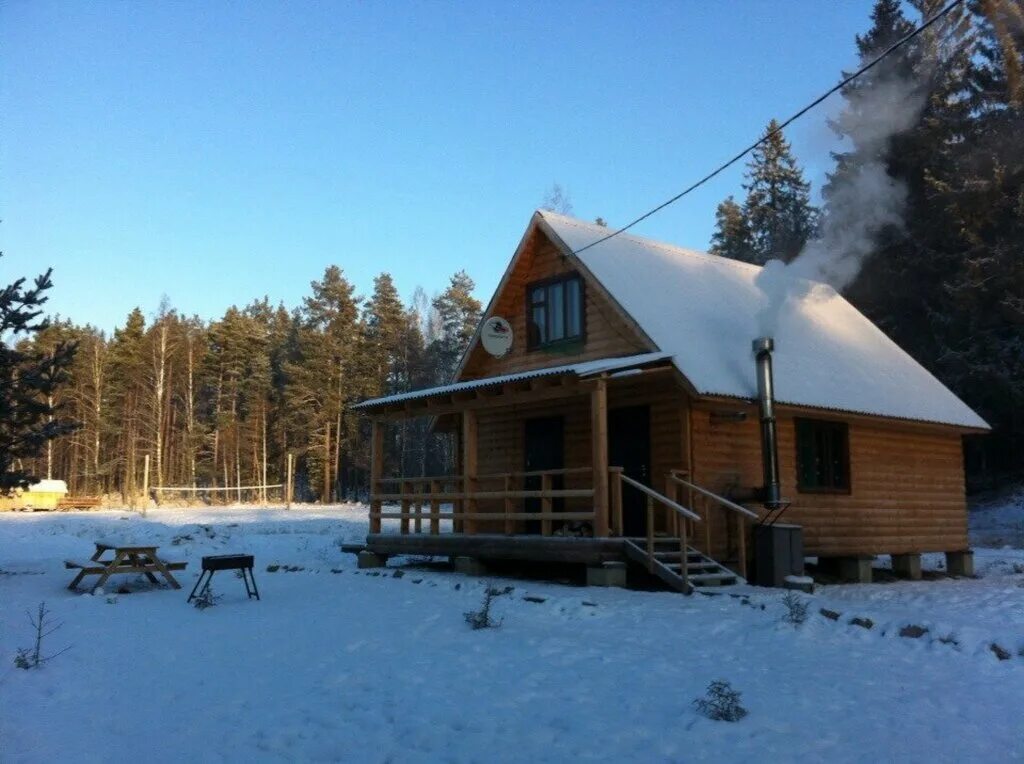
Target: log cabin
x=626, y=402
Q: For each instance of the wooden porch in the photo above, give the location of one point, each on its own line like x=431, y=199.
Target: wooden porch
x=438, y=517
x=587, y=514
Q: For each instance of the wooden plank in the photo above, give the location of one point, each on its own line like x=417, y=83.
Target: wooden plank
x=495, y=516
x=497, y=546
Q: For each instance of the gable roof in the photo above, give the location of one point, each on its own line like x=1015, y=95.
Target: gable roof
x=703, y=310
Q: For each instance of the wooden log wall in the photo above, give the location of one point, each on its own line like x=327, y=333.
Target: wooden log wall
x=906, y=480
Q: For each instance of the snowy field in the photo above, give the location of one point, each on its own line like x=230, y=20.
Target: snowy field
x=336, y=664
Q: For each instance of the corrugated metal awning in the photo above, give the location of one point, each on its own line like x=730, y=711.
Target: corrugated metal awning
x=581, y=370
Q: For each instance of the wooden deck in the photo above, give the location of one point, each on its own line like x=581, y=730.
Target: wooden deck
x=588, y=551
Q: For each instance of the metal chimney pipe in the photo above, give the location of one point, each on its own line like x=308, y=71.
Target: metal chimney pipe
x=772, y=491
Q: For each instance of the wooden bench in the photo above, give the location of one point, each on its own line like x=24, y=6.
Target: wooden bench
x=79, y=502
x=99, y=567
x=126, y=559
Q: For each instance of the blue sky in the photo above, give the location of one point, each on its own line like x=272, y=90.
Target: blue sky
x=218, y=152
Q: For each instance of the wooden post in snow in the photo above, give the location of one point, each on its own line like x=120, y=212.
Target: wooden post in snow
x=145, y=483
x=288, y=481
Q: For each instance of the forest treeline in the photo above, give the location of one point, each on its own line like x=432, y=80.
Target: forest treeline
x=221, y=403
x=942, y=271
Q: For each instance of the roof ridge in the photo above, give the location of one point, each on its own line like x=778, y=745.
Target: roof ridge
x=674, y=249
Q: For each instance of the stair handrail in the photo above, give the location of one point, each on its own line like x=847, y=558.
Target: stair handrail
x=662, y=498
x=740, y=511
x=715, y=497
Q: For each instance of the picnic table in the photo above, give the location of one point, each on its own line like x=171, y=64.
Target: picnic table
x=128, y=557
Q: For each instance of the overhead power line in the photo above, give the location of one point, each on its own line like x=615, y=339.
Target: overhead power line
x=839, y=86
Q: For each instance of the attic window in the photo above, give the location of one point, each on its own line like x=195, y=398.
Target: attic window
x=822, y=456
x=554, y=311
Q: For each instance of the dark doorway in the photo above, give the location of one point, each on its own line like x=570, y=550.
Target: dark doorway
x=629, y=447
x=544, y=449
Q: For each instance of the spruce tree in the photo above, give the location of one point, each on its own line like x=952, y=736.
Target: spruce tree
x=29, y=378
x=732, y=237
x=777, y=209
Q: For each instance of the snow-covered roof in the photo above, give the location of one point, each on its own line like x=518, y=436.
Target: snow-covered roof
x=48, y=486
x=703, y=311
x=583, y=369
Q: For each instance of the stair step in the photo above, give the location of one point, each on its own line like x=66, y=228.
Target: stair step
x=674, y=556
x=701, y=570
x=694, y=566
x=713, y=579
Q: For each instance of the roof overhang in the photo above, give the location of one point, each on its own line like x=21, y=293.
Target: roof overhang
x=508, y=389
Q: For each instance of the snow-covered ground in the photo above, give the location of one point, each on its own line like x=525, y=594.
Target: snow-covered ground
x=998, y=519
x=336, y=664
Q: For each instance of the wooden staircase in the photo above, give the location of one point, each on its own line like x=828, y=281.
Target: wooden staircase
x=666, y=563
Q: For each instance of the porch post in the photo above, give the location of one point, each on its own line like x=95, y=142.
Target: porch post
x=469, y=466
x=376, y=469
x=599, y=458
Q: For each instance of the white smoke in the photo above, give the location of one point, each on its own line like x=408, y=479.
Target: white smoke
x=864, y=200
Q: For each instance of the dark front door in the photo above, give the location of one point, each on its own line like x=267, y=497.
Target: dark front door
x=544, y=449
x=629, y=447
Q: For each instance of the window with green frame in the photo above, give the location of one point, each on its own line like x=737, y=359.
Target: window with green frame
x=555, y=311
x=822, y=456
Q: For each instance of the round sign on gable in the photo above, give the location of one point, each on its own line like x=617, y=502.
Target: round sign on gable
x=496, y=336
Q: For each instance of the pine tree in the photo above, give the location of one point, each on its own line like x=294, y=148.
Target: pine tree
x=777, y=209
x=323, y=375
x=384, y=319
x=458, y=315
x=732, y=237
x=29, y=379
x=126, y=367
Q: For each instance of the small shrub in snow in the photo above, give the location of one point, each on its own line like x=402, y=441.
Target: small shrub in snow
x=722, y=703
x=29, y=658
x=206, y=598
x=796, y=608
x=482, y=619
x=1000, y=652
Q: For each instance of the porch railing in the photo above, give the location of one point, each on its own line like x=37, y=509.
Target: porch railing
x=473, y=501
